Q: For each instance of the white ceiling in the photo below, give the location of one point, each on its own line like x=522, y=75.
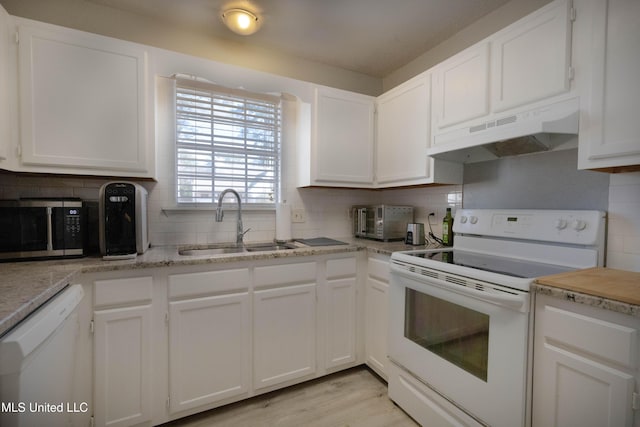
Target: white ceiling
x=373, y=37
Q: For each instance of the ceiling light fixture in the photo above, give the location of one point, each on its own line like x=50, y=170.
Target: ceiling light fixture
x=241, y=21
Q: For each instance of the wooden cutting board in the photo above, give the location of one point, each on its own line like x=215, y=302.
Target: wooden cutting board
x=618, y=285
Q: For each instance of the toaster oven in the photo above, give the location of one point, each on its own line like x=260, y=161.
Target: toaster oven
x=381, y=222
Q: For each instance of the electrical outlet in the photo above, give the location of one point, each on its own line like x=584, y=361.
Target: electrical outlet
x=298, y=215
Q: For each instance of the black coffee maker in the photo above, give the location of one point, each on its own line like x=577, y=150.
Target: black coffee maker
x=123, y=219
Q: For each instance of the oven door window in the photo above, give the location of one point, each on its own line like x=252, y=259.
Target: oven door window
x=453, y=332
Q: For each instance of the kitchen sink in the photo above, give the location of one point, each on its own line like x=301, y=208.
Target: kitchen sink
x=230, y=248
x=258, y=247
x=212, y=250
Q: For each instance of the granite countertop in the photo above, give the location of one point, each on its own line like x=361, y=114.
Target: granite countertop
x=25, y=286
x=606, y=288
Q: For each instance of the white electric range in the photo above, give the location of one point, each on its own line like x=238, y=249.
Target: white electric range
x=460, y=317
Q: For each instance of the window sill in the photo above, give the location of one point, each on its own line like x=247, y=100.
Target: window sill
x=231, y=207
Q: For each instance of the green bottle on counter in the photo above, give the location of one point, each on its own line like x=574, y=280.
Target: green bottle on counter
x=447, y=229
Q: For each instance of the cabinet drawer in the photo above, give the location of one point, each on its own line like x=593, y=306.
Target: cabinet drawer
x=610, y=341
x=275, y=275
x=208, y=282
x=123, y=291
x=341, y=267
x=379, y=269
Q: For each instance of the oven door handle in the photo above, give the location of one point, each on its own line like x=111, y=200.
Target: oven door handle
x=511, y=301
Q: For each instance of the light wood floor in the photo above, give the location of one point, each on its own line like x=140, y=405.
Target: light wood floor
x=352, y=398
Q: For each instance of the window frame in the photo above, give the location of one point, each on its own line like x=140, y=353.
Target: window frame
x=201, y=88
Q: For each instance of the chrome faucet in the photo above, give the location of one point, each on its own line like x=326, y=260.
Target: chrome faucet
x=220, y=214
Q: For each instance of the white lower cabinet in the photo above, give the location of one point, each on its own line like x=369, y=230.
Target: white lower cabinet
x=122, y=351
x=284, y=324
x=341, y=312
x=209, y=337
x=585, y=365
x=377, y=314
x=180, y=340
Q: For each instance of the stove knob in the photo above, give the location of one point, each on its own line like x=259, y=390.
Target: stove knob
x=463, y=219
x=578, y=225
x=561, y=224
x=473, y=219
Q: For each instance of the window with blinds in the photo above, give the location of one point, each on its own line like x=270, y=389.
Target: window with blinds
x=226, y=138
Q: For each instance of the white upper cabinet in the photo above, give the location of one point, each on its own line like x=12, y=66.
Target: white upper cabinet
x=508, y=77
x=403, y=133
x=5, y=130
x=609, y=126
x=531, y=59
x=83, y=103
x=461, y=87
x=341, y=139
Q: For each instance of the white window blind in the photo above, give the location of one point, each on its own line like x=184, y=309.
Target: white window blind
x=226, y=138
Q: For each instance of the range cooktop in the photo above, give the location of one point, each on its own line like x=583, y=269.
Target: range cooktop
x=495, y=264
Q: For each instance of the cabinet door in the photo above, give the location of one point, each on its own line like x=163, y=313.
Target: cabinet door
x=377, y=317
x=461, y=87
x=5, y=131
x=83, y=100
x=343, y=137
x=122, y=366
x=585, y=360
x=341, y=313
x=284, y=334
x=377, y=329
x=576, y=391
x=403, y=134
x=531, y=59
x=610, y=130
x=209, y=350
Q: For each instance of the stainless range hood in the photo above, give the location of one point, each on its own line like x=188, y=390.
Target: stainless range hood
x=545, y=128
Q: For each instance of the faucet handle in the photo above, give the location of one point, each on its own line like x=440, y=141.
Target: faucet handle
x=246, y=231
x=219, y=214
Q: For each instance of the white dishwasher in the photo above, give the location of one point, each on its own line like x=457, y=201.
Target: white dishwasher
x=37, y=361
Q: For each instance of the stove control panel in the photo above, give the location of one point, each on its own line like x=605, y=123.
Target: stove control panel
x=560, y=226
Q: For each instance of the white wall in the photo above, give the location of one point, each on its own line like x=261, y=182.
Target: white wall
x=108, y=21
x=326, y=210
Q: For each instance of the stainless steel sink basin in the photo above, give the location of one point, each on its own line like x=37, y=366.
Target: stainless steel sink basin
x=230, y=248
x=211, y=250
x=269, y=247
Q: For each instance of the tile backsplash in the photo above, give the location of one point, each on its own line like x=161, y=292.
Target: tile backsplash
x=327, y=211
x=623, y=240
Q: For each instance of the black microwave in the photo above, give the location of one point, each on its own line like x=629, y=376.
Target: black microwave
x=41, y=228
